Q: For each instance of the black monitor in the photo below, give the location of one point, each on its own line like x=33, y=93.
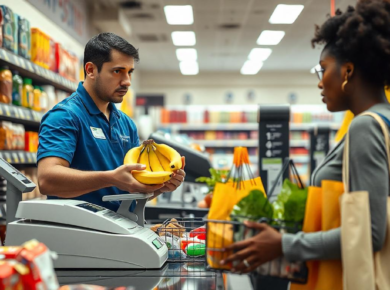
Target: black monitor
x=197, y=164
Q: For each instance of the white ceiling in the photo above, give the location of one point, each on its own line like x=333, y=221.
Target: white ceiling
x=222, y=49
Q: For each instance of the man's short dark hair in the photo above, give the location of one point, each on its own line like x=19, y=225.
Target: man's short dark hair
x=98, y=49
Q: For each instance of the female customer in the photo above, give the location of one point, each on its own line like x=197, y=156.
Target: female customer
x=355, y=68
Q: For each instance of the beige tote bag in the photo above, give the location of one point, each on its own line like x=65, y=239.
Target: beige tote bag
x=362, y=269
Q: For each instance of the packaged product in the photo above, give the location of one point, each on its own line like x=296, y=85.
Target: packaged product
x=37, y=98
x=27, y=93
x=43, y=101
x=51, y=96
x=5, y=85
x=17, y=88
x=10, y=278
x=24, y=38
x=37, y=259
x=15, y=48
x=31, y=142
x=8, y=28
x=6, y=134
x=38, y=47
x=1, y=27
x=52, y=56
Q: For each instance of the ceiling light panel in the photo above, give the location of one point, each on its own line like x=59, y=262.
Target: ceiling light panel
x=186, y=54
x=251, y=67
x=179, y=14
x=259, y=54
x=183, y=38
x=285, y=14
x=189, y=67
x=270, y=37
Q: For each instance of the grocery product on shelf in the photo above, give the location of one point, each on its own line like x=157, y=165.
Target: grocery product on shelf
x=8, y=28
x=24, y=38
x=28, y=93
x=17, y=89
x=51, y=96
x=5, y=85
x=37, y=99
x=31, y=142
x=6, y=135
x=1, y=27
x=43, y=102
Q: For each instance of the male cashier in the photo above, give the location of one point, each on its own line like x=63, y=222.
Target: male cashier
x=84, y=139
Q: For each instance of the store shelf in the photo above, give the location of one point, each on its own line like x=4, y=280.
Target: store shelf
x=38, y=74
x=300, y=158
x=238, y=126
x=228, y=143
x=300, y=143
x=19, y=157
x=29, y=118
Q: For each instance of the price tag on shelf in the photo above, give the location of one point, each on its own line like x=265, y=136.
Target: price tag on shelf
x=21, y=113
x=23, y=63
x=16, y=60
x=28, y=115
x=15, y=112
x=7, y=111
x=5, y=55
x=30, y=67
x=15, y=157
x=34, y=157
x=1, y=155
x=7, y=157
x=29, y=157
x=2, y=54
x=22, y=159
x=1, y=110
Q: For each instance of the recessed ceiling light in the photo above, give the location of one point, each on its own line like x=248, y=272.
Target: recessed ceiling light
x=189, y=67
x=251, y=67
x=259, y=54
x=179, y=14
x=270, y=37
x=183, y=38
x=285, y=14
x=186, y=54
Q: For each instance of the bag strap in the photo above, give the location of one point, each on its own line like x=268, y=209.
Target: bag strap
x=385, y=130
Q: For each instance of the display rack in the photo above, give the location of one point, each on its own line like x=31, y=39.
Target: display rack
x=29, y=118
x=18, y=157
x=38, y=74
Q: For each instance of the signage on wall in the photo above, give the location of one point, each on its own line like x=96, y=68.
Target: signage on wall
x=229, y=98
x=319, y=145
x=70, y=15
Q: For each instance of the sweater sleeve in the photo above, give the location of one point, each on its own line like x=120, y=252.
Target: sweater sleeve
x=368, y=172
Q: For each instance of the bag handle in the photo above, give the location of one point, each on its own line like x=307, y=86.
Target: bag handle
x=385, y=130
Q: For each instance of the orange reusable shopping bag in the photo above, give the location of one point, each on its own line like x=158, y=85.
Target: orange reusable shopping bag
x=311, y=223
x=323, y=214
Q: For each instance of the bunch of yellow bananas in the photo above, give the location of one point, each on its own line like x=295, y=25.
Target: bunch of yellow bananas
x=160, y=161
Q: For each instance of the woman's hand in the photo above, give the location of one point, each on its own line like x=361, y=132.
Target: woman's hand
x=251, y=253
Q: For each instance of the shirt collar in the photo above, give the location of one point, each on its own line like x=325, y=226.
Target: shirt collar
x=90, y=104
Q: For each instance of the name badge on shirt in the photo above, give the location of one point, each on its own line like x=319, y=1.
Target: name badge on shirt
x=97, y=133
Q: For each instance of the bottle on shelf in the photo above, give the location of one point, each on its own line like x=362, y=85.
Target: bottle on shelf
x=5, y=85
x=44, y=101
x=17, y=89
x=28, y=93
x=37, y=99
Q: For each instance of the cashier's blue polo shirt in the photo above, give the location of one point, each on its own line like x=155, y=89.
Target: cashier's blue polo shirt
x=77, y=131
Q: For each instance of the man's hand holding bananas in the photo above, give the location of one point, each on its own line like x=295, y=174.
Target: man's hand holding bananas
x=164, y=166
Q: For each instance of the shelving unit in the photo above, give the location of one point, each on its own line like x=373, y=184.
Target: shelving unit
x=19, y=157
x=236, y=126
x=228, y=143
x=38, y=74
x=29, y=118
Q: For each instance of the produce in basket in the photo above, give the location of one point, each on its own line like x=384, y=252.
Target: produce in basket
x=160, y=161
x=253, y=206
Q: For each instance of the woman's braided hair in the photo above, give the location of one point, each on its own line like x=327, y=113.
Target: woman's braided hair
x=360, y=35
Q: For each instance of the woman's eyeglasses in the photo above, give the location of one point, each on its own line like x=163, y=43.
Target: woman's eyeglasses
x=320, y=73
